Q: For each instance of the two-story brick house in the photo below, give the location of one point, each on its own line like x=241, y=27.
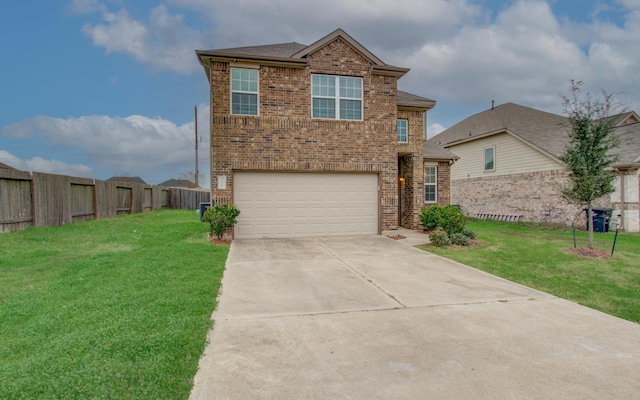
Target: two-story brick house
x=317, y=140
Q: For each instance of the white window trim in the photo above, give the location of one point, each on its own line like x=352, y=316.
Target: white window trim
x=484, y=159
x=407, y=130
x=231, y=91
x=337, y=97
x=435, y=185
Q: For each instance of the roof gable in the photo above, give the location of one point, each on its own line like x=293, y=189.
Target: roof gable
x=626, y=118
x=546, y=131
x=338, y=34
x=296, y=54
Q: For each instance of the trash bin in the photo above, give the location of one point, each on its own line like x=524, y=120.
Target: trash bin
x=601, y=218
x=204, y=206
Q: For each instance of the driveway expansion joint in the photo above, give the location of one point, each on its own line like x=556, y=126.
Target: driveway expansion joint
x=357, y=272
x=383, y=309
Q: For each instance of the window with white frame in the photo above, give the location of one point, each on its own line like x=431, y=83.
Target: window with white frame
x=244, y=91
x=336, y=97
x=490, y=159
x=402, y=126
x=430, y=183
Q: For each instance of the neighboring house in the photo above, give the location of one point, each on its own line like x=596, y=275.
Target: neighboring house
x=510, y=166
x=128, y=179
x=315, y=140
x=5, y=166
x=179, y=183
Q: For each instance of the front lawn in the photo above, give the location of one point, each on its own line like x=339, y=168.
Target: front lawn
x=539, y=259
x=110, y=309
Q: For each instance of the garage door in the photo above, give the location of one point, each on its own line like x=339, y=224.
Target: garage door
x=303, y=204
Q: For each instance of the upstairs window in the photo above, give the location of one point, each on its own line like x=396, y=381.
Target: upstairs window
x=490, y=159
x=402, y=126
x=430, y=183
x=336, y=97
x=244, y=91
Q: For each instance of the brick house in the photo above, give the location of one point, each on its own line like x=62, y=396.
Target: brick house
x=317, y=140
x=510, y=166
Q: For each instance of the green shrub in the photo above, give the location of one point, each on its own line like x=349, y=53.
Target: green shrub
x=430, y=217
x=469, y=233
x=449, y=218
x=452, y=220
x=220, y=218
x=439, y=238
x=459, y=239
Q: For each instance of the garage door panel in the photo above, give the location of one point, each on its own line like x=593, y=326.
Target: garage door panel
x=303, y=204
x=260, y=212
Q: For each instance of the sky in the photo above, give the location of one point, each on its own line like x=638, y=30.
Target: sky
x=102, y=88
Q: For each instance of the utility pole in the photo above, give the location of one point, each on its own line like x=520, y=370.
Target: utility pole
x=195, y=111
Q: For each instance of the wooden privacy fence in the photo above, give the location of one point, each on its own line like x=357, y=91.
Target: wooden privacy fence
x=39, y=199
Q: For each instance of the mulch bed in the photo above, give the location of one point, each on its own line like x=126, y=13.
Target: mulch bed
x=396, y=237
x=590, y=253
x=214, y=239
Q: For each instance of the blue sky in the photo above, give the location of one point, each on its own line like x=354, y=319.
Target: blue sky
x=99, y=88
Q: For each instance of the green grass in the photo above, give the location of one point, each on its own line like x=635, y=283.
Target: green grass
x=111, y=309
x=537, y=258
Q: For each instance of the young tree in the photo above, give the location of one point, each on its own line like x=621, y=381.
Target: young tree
x=588, y=154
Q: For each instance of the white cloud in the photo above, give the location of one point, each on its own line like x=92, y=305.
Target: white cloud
x=459, y=51
x=153, y=148
x=434, y=129
x=521, y=57
x=630, y=4
x=378, y=24
x=164, y=42
x=39, y=164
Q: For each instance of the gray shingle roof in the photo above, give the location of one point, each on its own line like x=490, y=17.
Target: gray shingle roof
x=629, y=148
x=5, y=166
x=296, y=52
x=433, y=151
x=127, y=179
x=183, y=183
x=411, y=100
x=546, y=131
x=272, y=50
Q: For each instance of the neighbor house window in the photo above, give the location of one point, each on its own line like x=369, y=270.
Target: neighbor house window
x=402, y=126
x=244, y=91
x=430, y=184
x=336, y=97
x=490, y=158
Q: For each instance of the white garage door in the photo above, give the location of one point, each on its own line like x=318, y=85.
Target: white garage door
x=303, y=204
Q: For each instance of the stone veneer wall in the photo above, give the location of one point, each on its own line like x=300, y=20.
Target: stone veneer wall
x=535, y=196
x=284, y=137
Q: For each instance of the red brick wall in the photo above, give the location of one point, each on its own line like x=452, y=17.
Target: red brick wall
x=284, y=137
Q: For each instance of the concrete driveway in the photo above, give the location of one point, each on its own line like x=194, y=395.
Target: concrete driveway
x=375, y=318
